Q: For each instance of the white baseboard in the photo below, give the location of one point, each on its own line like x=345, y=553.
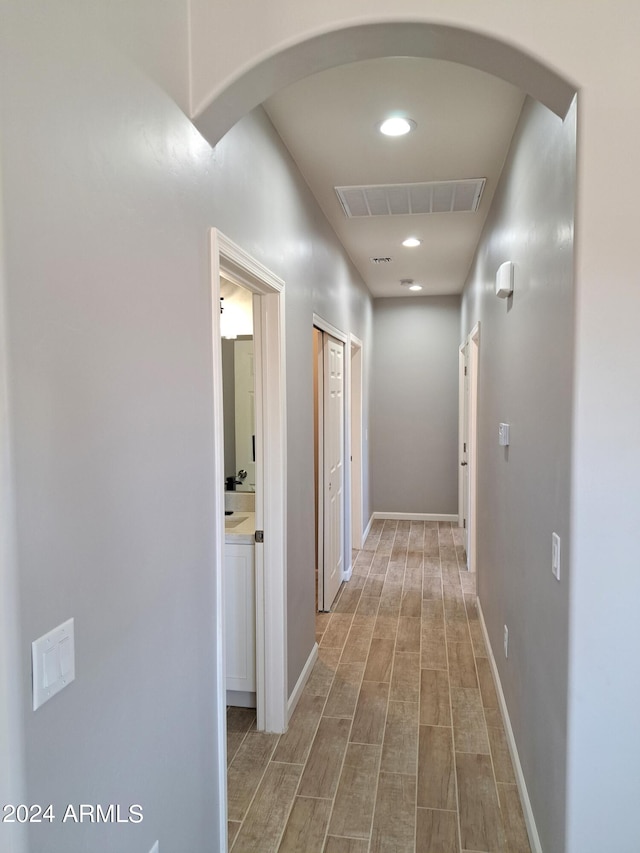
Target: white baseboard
x=300, y=683
x=532, y=830
x=367, y=530
x=346, y=575
x=417, y=516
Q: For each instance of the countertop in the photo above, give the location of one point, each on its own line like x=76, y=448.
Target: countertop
x=240, y=528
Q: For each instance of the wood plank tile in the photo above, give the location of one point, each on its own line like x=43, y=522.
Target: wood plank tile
x=234, y=740
x=373, y=586
x=268, y=814
x=380, y=562
x=432, y=587
x=306, y=827
x=390, y=602
x=487, y=686
x=433, y=614
x=436, y=775
x=337, y=630
x=379, y=661
x=348, y=600
x=471, y=604
x=411, y=603
x=322, y=770
x=408, y=638
x=386, y=627
x=344, y=692
x=246, y=771
x=477, y=639
x=368, y=606
x=502, y=766
x=356, y=648
x=462, y=668
x=434, y=649
x=431, y=565
x=324, y=669
x=457, y=628
x=469, y=729
x=394, y=820
x=480, y=817
x=435, y=707
x=346, y=845
x=405, y=680
x=413, y=577
x=493, y=718
x=468, y=582
x=395, y=574
x=240, y=719
x=371, y=711
x=233, y=826
x=415, y=559
x=355, y=800
x=513, y=819
x=294, y=745
x=437, y=831
x=400, y=746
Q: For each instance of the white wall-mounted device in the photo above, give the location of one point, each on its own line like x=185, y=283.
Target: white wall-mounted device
x=504, y=280
x=503, y=435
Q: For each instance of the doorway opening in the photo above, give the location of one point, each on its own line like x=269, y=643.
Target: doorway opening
x=265, y=450
x=468, y=442
x=329, y=390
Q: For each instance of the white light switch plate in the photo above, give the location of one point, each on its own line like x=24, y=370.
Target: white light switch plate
x=53, y=662
x=503, y=435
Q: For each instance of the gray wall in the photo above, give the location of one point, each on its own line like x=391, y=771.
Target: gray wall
x=262, y=203
x=414, y=423
x=526, y=352
x=109, y=193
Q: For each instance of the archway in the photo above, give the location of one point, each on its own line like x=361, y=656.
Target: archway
x=374, y=41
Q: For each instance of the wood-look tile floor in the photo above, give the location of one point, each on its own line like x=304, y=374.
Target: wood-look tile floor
x=397, y=744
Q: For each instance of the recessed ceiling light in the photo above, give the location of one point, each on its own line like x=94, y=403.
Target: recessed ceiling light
x=415, y=287
x=411, y=242
x=410, y=284
x=396, y=126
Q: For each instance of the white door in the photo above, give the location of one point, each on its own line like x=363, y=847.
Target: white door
x=464, y=460
x=333, y=456
x=245, y=413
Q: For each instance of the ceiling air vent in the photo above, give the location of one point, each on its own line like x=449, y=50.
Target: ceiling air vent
x=406, y=199
x=380, y=260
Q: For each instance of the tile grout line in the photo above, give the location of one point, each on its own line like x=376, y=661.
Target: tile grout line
x=255, y=793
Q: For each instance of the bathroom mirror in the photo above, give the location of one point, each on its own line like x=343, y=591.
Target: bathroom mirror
x=236, y=323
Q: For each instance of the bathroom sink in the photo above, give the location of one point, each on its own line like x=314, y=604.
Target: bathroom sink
x=230, y=523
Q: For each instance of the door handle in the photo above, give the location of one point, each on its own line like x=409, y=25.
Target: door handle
x=464, y=463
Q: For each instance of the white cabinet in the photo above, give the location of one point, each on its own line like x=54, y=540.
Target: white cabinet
x=240, y=616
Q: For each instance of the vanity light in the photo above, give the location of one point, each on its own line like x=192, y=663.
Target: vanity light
x=411, y=242
x=396, y=126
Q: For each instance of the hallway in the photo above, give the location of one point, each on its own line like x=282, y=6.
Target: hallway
x=397, y=743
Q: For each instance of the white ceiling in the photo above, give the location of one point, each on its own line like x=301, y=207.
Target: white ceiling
x=465, y=120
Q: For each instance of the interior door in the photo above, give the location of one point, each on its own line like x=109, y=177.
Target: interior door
x=333, y=457
x=464, y=461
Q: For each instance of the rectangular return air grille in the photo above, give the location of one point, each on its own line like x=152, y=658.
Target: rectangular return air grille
x=403, y=199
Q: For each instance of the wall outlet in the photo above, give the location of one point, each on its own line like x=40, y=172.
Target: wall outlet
x=155, y=848
x=506, y=641
x=555, y=556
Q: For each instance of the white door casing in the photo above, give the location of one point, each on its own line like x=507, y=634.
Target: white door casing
x=333, y=440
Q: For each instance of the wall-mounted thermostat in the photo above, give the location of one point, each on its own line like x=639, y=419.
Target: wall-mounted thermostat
x=503, y=435
x=504, y=280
